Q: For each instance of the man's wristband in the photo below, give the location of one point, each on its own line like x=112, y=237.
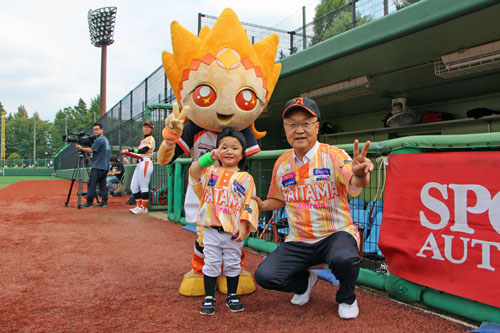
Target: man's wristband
x=206, y=161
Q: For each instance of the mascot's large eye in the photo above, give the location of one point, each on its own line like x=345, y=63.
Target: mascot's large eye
x=204, y=95
x=246, y=99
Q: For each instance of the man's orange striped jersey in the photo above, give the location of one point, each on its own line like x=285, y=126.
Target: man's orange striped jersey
x=315, y=193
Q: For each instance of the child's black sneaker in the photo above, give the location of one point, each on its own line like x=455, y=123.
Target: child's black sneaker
x=208, y=306
x=234, y=304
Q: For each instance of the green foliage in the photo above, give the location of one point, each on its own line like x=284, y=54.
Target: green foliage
x=283, y=55
x=95, y=107
x=404, y=3
x=334, y=17
x=19, y=136
x=14, y=156
x=19, y=129
x=21, y=112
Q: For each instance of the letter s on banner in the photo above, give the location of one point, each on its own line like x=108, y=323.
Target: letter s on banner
x=435, y=205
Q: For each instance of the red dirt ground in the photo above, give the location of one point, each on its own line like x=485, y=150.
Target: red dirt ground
x=104, y=269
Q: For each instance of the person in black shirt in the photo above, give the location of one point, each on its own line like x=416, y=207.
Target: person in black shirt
x=115, y=174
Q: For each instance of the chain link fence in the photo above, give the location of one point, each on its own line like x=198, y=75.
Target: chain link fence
x=123, y=122
x=28, y=163
x=341, y=19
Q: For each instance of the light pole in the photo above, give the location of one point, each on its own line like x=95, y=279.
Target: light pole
x=101, y=27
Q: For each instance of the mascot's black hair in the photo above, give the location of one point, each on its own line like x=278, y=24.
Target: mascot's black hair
x=229, y=131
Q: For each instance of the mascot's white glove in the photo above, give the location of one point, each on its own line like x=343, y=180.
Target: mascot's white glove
x=174, y=124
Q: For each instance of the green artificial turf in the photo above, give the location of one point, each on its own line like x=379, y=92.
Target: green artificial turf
x=7, y=180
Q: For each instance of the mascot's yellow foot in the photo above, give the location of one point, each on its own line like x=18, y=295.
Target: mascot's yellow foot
x=192, y=285
x=245, y=284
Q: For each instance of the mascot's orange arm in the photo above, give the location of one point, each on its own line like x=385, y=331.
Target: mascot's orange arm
x=165, y=152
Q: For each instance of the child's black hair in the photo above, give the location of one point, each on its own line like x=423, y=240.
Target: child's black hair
x=230, y=131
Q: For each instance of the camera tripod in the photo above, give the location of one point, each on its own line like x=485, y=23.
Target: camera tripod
x=80, y=166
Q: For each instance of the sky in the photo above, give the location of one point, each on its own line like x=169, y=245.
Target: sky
x=47, y=62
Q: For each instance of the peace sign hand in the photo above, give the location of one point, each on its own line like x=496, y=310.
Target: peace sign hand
x=174, y=124
x=175, y=121
x=218, y=153
x=361, y=165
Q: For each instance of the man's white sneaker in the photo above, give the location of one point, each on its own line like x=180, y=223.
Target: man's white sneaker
x=347, y=311
x=301, y=299
x=135, y=209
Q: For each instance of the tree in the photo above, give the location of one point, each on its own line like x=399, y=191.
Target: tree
x=19, y=130
x=19, y=136
x=283, y=55
x=43, y=138
x=14, y=156
x=403, y=3
x=334, y=17
x=95, y=107
x=72, y=120
x=21, y=112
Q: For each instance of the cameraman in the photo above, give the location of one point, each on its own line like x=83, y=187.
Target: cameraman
x=100, y=166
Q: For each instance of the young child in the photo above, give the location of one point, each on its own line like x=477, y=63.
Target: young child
x=227, y=213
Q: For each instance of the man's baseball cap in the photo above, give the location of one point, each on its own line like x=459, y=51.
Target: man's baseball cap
x=303, y=103
x=148, y=123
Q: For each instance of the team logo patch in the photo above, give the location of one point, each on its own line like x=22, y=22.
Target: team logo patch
x=237, y=187
x=212, y=180
x=321, y=174
x=346, y=162
x=288, y=179
x=247, y=208
x=205, y=146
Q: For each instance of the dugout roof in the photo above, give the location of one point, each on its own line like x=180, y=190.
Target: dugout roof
x=397, y=54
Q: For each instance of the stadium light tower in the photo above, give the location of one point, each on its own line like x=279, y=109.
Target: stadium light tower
x=101, y=26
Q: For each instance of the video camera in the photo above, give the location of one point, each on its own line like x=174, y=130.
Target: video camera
x=82, y=138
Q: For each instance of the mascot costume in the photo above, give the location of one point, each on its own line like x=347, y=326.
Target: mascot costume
x=219, y=79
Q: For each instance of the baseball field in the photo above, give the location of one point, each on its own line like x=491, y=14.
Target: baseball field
x=105, y=269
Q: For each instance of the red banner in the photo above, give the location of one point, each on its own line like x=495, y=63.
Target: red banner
x=441, y=222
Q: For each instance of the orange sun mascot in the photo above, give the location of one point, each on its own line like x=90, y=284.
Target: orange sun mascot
x=219, y=79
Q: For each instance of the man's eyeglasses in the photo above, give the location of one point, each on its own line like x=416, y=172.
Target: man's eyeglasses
x=294, y=126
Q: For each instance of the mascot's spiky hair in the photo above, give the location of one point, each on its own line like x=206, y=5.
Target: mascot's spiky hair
x=218, y=44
